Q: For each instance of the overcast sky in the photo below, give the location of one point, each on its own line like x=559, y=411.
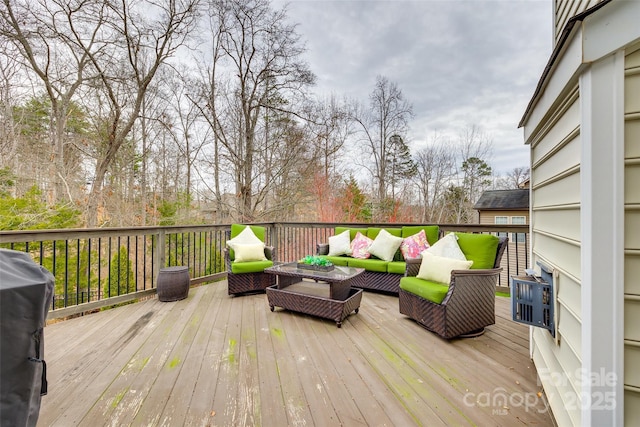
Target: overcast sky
x=460, y=63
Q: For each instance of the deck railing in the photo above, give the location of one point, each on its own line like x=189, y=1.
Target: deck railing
x=95, y=268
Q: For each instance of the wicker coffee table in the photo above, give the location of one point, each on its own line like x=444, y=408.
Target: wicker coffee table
x=326, y=294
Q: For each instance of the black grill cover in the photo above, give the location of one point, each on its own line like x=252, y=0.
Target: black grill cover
x=26, y=290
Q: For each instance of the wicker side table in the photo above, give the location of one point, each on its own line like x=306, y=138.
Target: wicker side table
x=173, y=283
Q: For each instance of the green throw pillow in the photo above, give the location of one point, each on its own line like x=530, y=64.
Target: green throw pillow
x=480, y=248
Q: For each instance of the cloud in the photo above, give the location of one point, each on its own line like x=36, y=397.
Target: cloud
x=459, y=63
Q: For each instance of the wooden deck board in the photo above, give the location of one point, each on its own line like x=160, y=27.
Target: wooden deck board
x=292, y=392
x=438, y=375
x=226, y=383
x=393, y=370
x=85, y=375
x=200, y=410
x=139, y=393
x=322, y=411
x=272, y=404
x=348, y=366
x=216, y=360
x=193, y=404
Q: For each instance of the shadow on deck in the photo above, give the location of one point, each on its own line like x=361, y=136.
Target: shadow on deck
x=212, y=359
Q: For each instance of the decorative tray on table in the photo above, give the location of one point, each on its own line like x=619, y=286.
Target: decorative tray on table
x=315, y=263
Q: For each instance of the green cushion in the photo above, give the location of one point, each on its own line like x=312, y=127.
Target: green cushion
x=250, y=267
x=397, y=267
x=481, y=248
x=257, y=230
x=432, y=232
x=372, y=232
x=337, y=260
x=369, y=264
x=352, y=231
x=431, y=291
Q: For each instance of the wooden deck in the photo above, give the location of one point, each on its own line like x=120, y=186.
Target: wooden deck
x=215, y=360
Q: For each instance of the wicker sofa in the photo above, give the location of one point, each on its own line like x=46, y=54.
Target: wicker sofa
x=379, y=275
x=464, y=307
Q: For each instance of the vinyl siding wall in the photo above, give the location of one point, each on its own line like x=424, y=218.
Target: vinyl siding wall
x=555, y=222
x=566, y=9
x=570, y=118
x=632, y=237
x=556, y=241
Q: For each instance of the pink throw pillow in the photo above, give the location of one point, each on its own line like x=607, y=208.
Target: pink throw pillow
x=360, y=246
x=412, y=246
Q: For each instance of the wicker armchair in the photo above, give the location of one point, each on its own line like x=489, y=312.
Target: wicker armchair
x=467, y=308
x=251, y=277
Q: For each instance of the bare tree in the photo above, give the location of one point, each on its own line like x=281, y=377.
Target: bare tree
x=435, y=169
x=185, y=127
x=169, y=140
x=127, y=63
x=515, y=178
x=45, y=35
x=257, y=71
x=475, y=149
x=474, y=142
x=9, y=73
x=330, y=126
x=388, y=115
x=328, y=130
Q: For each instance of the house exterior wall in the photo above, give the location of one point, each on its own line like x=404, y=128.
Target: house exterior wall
x=563, y=10
x=632, y=236
x=555, y=224
x=583, y=128
x=488, y=217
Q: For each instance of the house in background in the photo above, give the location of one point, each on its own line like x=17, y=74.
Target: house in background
x=507, y=207
x=583, y=129
x=503, y=207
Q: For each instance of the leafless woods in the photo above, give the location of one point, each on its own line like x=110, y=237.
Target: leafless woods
x=145, y=112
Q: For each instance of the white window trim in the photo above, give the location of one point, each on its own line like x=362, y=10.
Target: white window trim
x=495, y=220
x=524, y=219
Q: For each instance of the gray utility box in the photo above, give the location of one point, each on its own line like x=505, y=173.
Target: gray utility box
x=26, y=290
x=532, y=299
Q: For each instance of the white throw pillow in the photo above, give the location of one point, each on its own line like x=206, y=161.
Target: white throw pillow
x=246, y=237
x=246, y=252
x=340, y=244
x=385, y=245
x=447, y=247
x=438, y=269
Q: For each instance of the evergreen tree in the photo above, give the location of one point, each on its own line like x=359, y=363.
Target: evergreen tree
x=476, y=179
x=401, y=164
x=354, y=203
x=30, y=212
